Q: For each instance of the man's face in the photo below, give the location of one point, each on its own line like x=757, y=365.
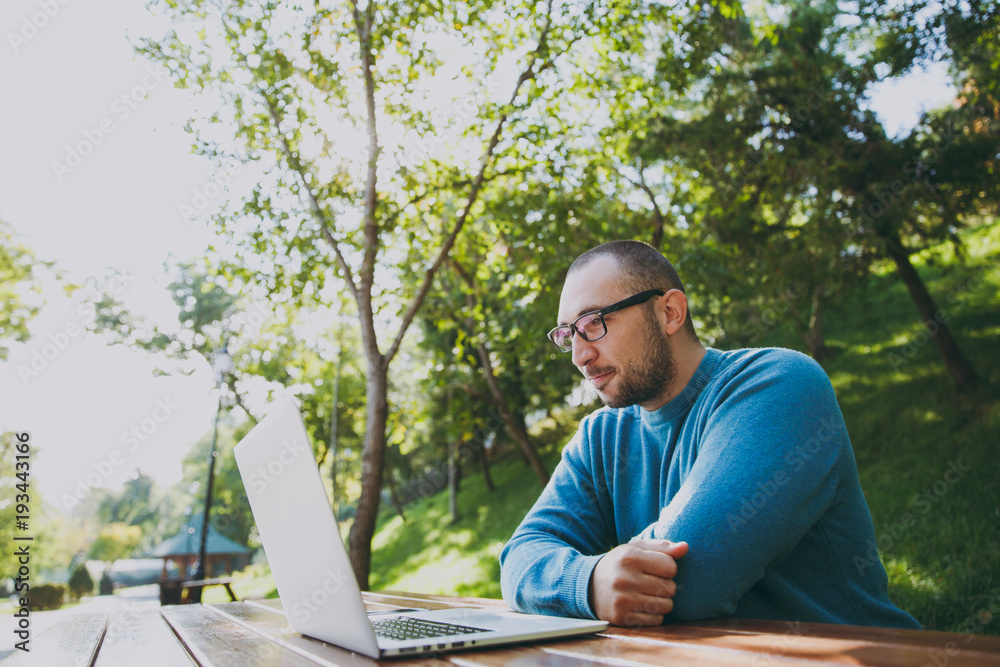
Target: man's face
x=633, y=363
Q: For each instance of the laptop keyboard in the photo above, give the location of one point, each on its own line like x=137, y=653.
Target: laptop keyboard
x=405, y=627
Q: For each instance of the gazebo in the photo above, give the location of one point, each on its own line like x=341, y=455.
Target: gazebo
x=222, y=555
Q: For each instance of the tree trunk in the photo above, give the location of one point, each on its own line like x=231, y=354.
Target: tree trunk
x=397, y=504
x=363, y=529
x=454, y=474
x=515, y=423
x=934, y=320
x=815, y=338
x=484, y=465
x=334, y=420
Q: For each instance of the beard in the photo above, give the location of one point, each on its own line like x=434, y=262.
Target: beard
x=647, y=377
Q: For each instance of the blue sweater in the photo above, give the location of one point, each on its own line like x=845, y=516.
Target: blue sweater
x=750, y=465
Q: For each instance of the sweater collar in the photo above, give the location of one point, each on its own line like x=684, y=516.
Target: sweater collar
x=682, y=402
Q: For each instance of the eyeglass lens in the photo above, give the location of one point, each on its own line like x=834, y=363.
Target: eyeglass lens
x=590, y=327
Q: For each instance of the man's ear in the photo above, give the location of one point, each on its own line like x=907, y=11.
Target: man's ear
x=674, y=306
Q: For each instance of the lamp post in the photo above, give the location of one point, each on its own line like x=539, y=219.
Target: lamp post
x=222, y=363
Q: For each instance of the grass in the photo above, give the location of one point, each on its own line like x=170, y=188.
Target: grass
x=429, y=553
x=927, y=458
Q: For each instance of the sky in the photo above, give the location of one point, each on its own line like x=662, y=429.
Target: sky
x=95, y=168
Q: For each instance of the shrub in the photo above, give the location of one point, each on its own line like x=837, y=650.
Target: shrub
x=107, y=586
x=81, y=582
x=46, y=596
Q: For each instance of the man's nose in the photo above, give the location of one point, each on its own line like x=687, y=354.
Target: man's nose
x=584, y=352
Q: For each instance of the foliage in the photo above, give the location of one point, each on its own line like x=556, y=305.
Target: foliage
x=295, y=81
x=116, y=541
x=8, y=484
x=45, y=597
x=734, y=137
x=230, y=514
x=80, y=582
x=20, y=285
x=107, y=585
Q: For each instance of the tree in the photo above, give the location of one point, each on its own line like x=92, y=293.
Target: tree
x=294, y=80
x=944, y=174
x=80, y=582
x=231, y=514
x=8, y=487
x=797, y=175
x=116, y=541
x=19, y=279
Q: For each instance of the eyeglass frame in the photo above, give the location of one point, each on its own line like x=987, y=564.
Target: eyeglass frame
x=633, y=300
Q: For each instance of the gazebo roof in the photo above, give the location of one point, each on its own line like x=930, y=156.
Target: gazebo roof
x=187, y=543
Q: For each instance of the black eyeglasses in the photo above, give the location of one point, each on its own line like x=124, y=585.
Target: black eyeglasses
x=591, y=326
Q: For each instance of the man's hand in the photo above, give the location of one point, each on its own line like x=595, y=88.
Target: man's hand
x=633, y=584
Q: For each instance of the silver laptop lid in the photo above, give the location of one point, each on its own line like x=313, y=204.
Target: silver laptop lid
x=300, y=534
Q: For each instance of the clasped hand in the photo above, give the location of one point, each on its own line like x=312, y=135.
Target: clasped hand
x=633, y=584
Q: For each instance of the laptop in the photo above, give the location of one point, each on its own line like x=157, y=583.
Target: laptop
x=313, y=574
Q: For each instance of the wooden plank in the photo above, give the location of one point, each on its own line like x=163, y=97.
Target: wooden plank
x=272, y=623
x=600, y=650
x=71, y=641
x=217, y=641
x=770, y=642
x=141, y=633
x=774, y=641
x=927, y=638
x=620, y=652
x=401, y=599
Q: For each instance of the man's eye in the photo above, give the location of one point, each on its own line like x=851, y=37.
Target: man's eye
x=589, y=324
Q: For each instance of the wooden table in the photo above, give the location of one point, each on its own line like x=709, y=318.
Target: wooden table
x=251, y=634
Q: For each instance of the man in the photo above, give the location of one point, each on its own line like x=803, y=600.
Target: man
x=712, y=483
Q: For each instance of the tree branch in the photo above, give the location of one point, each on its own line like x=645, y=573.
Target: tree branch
x=296, y=165
x=363, y=297
x=528, y=73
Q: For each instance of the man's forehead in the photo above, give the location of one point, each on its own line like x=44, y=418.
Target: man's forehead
x=588, y=288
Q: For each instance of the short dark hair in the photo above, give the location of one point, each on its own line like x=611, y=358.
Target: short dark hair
x=641, y=267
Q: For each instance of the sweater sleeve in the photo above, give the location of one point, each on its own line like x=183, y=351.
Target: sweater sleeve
x=766, y=470
x=545, y=568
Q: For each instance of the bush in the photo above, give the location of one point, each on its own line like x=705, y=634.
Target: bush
x=107, y=586
x=46, y=596
x=81, y=582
